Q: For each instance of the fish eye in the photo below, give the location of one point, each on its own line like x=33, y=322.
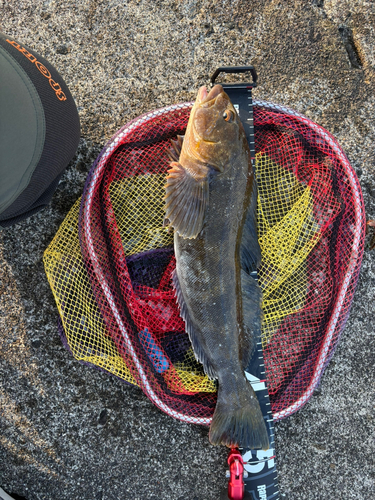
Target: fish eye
x=228, y=115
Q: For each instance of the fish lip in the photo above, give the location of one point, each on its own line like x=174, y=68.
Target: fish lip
x=202, y=93
x=205, y=98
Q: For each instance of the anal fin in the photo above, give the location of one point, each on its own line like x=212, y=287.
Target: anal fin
x=199, y=353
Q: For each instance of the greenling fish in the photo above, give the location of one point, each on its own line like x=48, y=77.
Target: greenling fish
x=211, y=204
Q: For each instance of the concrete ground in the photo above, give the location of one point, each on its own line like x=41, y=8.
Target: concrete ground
x=121, y=58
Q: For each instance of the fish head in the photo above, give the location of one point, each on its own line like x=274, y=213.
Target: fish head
x=214, y=132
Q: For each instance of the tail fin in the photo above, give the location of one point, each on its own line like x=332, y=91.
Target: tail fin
x=238, y=425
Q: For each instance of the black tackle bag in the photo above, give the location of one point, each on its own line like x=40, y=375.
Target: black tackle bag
x=39, y=130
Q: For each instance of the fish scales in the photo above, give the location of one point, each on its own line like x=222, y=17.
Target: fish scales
x=208, y=268
x=210, y=195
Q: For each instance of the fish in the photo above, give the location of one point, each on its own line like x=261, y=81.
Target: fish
x=210, y=205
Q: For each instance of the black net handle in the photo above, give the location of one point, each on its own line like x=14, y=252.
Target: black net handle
x=236, y=69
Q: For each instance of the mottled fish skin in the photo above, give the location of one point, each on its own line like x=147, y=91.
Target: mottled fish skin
x=210, y=198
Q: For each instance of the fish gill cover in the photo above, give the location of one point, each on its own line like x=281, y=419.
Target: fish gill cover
x=110, y=264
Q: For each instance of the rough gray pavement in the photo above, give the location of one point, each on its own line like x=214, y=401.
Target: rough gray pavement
x=70, y=432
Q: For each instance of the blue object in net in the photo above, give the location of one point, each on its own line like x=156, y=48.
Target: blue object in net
x=153, y=351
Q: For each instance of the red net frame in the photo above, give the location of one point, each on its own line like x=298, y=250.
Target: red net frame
x=292, y=382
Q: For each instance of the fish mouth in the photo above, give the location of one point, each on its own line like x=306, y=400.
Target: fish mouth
x=205, y=97
x=205, y=100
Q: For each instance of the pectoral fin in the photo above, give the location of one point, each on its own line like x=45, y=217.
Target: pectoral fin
x=186, y=199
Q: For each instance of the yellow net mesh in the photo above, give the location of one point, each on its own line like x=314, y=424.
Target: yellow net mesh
x=287, y=233
x=139, y=210
x=81, y=319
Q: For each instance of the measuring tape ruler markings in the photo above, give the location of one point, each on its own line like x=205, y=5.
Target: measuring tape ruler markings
x=261, y=482
x=260, y=465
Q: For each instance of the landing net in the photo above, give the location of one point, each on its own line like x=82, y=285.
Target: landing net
x=110, y=263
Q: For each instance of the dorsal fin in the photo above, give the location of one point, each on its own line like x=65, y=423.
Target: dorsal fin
x=175, y=151
x=186, y=199
x=252, y=316
x=250, y=249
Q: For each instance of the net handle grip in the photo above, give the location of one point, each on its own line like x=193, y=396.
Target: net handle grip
x=236, y=69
